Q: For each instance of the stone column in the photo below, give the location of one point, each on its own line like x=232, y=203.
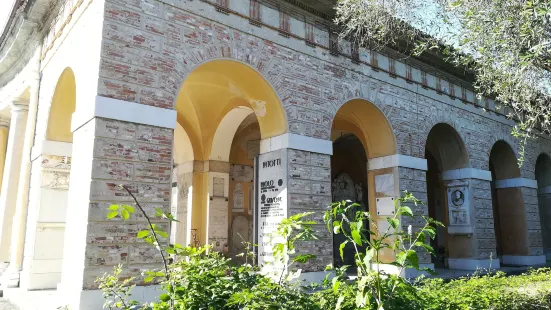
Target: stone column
x=217, y=206
x=544, y=202
x=108, y=152
x=21, y=206
x=48, y=201
x=294, y=176
x=10, y=180
x=182, y=202
x=4, y=129
x=388, y=177
x=523, y=248
x=470, y=224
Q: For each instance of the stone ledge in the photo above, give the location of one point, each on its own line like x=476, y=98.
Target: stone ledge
x=124, y=111
x=517, y=182
x=472, y=264
x=397, y=160
x=466, y=173
x=296, y=142
x=518, y=260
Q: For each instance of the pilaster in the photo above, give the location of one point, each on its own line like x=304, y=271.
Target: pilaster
x=10, y=180
x=48, y=202
x=106, y=153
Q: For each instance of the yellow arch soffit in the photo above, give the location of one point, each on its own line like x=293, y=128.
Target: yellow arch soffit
x=215, y=88
x=62, y=108
x=369, y=125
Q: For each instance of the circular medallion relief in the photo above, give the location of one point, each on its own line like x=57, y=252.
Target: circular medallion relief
x=458, y=198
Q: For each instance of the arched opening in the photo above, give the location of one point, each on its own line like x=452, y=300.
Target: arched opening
x=507, y=203
x=49, y=191
x=444, y=151
x=360, y=132
x=224, y=109
x=543, y=176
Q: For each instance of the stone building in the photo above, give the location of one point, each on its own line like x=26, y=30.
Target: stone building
x=195, y=104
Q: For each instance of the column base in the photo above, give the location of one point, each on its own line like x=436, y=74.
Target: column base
x=307, y=278
x=408, y=273
x=10, y=278
x=518, y=260
x=472, y=264
x=93, y=299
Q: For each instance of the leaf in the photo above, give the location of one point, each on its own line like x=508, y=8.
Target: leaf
x=304, y=258
x=393, y=222
x=164, y=297
x=143, y=233
x=125, y=215
x=128, y=208
x=162, y=233
x=114, y=207
x=148, y=279
x=368, y=256
x=112, y=214
x=405, y=211
x=341, y=248
x=401, y=258
x=427, y=247
x=412, y=258
x=336, y=285
x=357, y=237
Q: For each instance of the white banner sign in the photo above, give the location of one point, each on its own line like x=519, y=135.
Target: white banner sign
x=272, y=203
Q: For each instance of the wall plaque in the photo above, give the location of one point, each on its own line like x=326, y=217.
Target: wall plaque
x=238, y=199
x=218, y=223
x=272, y=204
x=459, y=208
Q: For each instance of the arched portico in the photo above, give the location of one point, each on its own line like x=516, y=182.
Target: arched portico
x=218, y=103
x=518, y=242
x=48, y=194
x=446, y=155
x=361, y=133
x=543, y=177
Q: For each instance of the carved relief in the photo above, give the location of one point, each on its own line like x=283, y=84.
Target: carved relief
x=56, y=171
x=238, y=199
x=459, y=208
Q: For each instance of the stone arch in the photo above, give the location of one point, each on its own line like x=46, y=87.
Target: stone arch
x=445, y=152
x=503, y=158
x=368, y=123
x=510, y=223
x=543, y=177
x=447, y=146
x=200, y=111
x=62, y=107
x=51, y=169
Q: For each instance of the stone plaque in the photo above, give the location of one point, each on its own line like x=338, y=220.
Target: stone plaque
x=218, y=223
x=238, y=199
x=272, y=204
x=218, y=187
x=240, y=232
x=384, y=184
x=459, y=208
x=242, y=173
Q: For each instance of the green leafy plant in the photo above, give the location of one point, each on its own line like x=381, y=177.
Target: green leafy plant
x=373, y=284
x=289, y=231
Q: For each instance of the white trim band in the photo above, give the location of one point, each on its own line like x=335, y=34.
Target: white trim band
x=545, y=190
x=523, y=260
x=517, y=182
x=49, y=147
x=472, y=264
x=397, y=160
x=124, y=111
x=466, y=173
x=296, y=142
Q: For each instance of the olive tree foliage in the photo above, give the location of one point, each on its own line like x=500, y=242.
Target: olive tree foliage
x=505, y=44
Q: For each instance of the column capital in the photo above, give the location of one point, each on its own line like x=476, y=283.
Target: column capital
x=4, y=122
x=19, y=105
x=296, y=142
